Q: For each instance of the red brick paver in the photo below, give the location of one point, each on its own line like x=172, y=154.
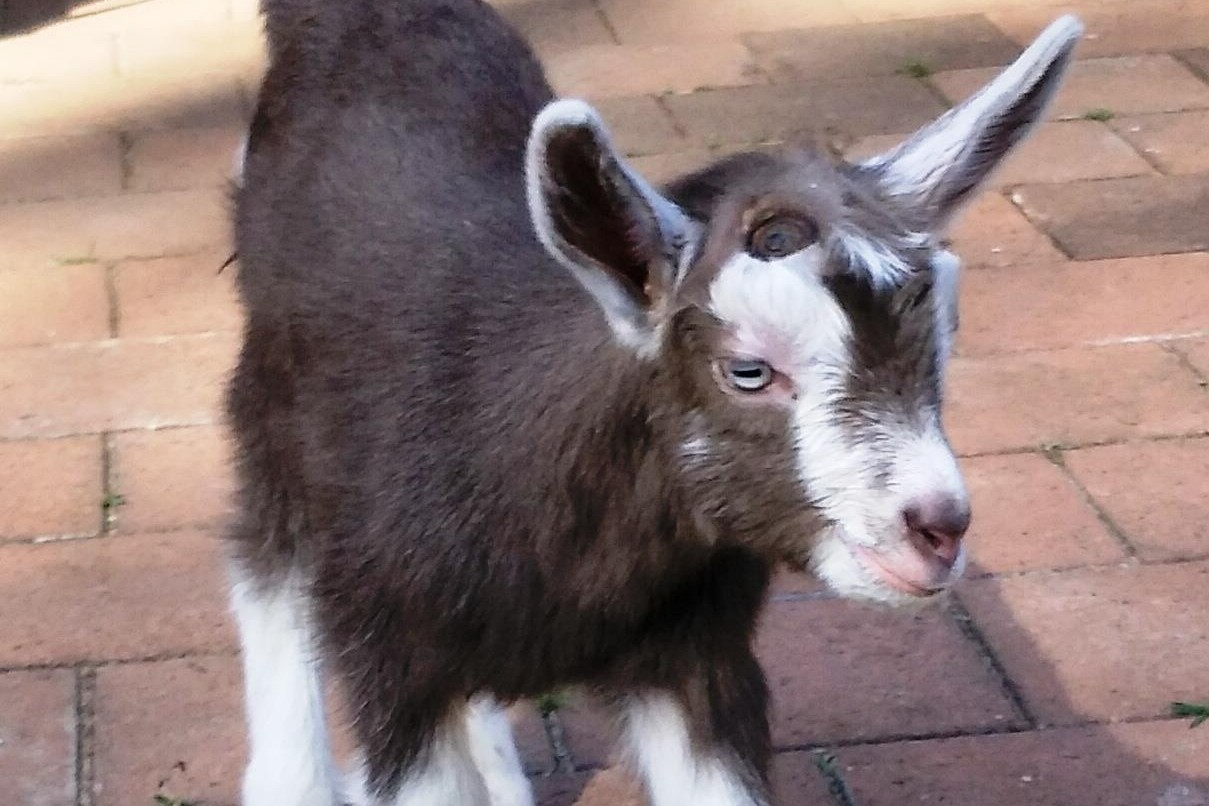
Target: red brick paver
x=1079, y=397
x=38, y=738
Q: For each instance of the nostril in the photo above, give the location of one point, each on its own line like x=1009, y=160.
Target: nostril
x=941, y=522
x=946, y=547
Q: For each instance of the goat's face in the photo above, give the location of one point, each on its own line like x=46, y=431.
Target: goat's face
x=802, y=313
x=807, y=336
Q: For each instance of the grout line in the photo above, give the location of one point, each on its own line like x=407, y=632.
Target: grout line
x=930, y=736
x=1018, y=450
x=94, y=665
x=1009, y=193
x=85, y=696
x=965, y=623
x=1149, y=159
x=109, y=495
x=1058, y=459
x=1100, y=443
x=1201, y=378
x=667, y=113
x=556, y=739
x=125, y=163
x=797, y=596
x=605, y=22
x=111, y=300
x=895, y=738
x=936, y=93
x=1188, y=65
x=145, y=430
x=826, y=764
x=213, y=526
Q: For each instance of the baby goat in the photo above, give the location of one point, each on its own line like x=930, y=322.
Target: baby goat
x=509, y=418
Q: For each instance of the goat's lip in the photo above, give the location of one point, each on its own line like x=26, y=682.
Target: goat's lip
x=878, y=565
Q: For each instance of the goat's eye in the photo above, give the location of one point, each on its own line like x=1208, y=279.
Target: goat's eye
x=780, y=237
x=746, y=375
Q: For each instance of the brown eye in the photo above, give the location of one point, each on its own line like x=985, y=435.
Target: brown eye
x=780, y=237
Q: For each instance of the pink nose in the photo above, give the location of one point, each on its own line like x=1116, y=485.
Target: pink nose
x=937, y=524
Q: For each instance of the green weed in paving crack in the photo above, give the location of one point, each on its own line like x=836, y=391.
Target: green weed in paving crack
x=1099, y=114
x=915, y=70
x=1199, y=711
x=551, y=702
x=829, y=767
x=164, y=800
x=82, y=260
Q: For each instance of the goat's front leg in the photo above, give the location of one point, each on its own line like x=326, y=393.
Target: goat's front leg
x=704, y=741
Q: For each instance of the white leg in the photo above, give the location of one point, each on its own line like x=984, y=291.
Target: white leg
x=447, y=775
x=290, y=763
x=658, y=735
x=494, y=753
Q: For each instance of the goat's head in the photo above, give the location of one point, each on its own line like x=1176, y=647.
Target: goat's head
x=800, y=313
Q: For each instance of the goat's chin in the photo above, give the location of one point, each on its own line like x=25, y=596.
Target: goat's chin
x=854, y=574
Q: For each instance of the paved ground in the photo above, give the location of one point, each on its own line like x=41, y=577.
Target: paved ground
x=1079, y=399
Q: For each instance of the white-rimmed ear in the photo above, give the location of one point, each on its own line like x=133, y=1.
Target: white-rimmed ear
x=600, y=219
x=941, y=164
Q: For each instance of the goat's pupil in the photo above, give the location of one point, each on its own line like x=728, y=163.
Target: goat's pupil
x=781, y=237
x=748, y=375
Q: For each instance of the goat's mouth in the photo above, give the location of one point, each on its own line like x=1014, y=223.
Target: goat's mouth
x=894, y=576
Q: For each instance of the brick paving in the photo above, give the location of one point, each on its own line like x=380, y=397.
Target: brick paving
x=1080, y=399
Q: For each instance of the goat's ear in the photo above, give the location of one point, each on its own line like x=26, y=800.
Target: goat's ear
x=600, y=219
x=941, y=164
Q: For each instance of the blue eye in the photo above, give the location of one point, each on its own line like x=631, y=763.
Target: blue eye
x=746, y=375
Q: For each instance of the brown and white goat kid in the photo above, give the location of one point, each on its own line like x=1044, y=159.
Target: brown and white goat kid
x=511, y=419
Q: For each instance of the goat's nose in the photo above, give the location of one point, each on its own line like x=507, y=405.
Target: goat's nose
x=941, y=521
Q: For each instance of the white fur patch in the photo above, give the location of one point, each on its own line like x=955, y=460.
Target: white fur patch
x=885, y=267
x=290, y=760
x=658, y=737
x=494, y=753
x=946, y=271
x=780, y=312
x=447, y=775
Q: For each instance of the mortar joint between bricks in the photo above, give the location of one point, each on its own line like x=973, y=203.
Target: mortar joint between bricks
x=1180, y=356
x=125, y=162
x=605, y=22
x=109, y=494
x=111, y=298
x=1011, y=194
x=85, y=712
x=1056, y=457
x=969, y=630
x=564, y=762
x=827, y=765
x=1144, y=155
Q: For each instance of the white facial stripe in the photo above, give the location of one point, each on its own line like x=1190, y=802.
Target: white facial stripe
x=780, y=311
